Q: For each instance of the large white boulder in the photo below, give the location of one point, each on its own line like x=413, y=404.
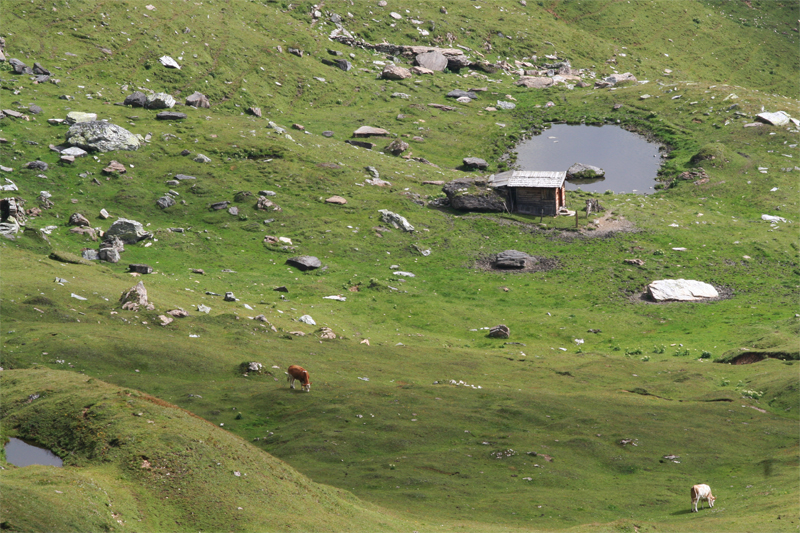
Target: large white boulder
x=684, y=290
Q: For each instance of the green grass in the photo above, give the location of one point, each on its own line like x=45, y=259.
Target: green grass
x=415, y=458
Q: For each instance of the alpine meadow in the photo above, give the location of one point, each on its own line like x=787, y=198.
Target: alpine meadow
x=197, y=195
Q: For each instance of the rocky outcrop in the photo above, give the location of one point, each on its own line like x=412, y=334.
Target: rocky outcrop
x=468, y=194
x=102, y=136
x=680, y=290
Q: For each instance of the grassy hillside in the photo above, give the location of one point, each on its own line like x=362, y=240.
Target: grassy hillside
x=432, y=425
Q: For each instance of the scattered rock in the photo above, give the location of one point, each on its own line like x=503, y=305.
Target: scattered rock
x=395, y=220
x=137, y=99
x=513, y=259
x=165, y=320
x=229, y=297
x=433, y=60
x=369, y=131
x=171, y=115
x=500, y=331
x=102, y=137
x=779, y=118
x=77, y=219
x=361, y=144
x=637, y=262
x=104, y=214
x=74, y=117
x=36, y=165
x=140, y=268
x=458, y=93
x=306, y=319
x=304, y=262
x=394, y=72
x=255, y=111
x=475, y=163
x=200, y=158
x=74, y=151
x=168, y=62
x=135, y=298
x=397, y=147
x=326, y=333
x=680, y=290
x=535, y=82
x=128, y=231
x=159, y=101
x=115, y=167
x=336, y=200
x=178, y=313
x=165, y=202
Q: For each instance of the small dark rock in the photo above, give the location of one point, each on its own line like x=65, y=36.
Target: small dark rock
x=140, y=268
x=171, y=115
x=137, y=99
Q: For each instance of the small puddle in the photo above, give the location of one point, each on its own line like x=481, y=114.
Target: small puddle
x=631, y=162
x=20, y=453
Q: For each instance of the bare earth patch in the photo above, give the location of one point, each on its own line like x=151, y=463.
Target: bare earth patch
x=608, y=224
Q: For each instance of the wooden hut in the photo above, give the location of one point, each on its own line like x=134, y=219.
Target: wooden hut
x=532, y=192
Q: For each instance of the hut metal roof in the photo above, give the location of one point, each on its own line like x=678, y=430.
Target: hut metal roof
x=530, y=178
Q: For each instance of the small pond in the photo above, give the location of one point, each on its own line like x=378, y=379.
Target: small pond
x=630, y=161
x=20, y=453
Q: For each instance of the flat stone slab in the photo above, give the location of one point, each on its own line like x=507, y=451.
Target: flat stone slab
x=304, y=262
x=683, y=290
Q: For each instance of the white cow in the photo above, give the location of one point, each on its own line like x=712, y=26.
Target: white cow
x=700, y=493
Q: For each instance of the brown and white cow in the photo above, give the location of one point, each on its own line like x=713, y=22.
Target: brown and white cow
x=300, y=374
x=700, y=493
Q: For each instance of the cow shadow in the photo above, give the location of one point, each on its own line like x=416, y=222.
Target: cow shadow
x=685, y=511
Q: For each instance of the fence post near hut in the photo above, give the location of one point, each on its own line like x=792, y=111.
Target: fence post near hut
x=576, y=218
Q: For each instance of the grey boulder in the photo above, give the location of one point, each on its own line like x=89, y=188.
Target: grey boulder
x=197, y=99
x=102, y=136
x=513, y=260
x=304, y=262
x=128, y=231
x=475, y=163
x=580, y=171
x=433, y=60
x=165, y=202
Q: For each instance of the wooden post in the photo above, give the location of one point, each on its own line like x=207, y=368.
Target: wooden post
x=576, y=218
x=541, y=215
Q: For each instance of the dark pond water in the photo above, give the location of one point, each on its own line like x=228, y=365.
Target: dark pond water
x=630, y=161
x=20, y=453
